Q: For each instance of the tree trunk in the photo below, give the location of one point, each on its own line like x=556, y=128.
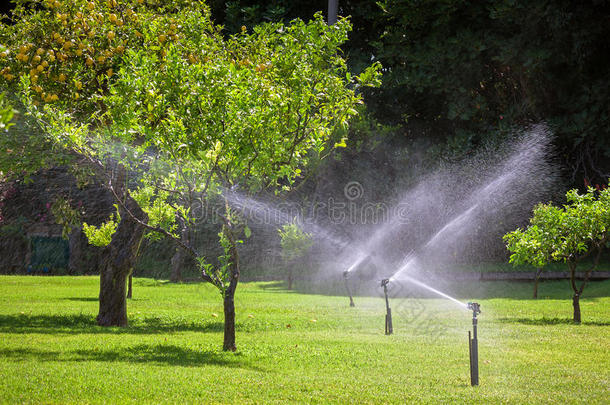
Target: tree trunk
x=538, y=273
x=179, y=258
x=576, y=305
x=290, y=279
x=177, y=262
x=130, y=286
x=117, y=264
x=229, y=293
x=229, y=333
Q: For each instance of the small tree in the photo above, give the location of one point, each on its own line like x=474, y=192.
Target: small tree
x=295, y=244
x=183, y=114
x=568, y=234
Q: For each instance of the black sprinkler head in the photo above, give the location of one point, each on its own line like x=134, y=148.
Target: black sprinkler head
x=345, y=273
x=475, y=307
x=385, y=282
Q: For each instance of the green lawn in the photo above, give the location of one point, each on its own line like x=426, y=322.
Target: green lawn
x=299, y=347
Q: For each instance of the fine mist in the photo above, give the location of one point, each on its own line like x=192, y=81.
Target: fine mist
x=452, y=217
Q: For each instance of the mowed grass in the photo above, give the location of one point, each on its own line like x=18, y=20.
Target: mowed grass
x=296, y=347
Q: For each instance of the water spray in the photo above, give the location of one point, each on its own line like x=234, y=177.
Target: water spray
x=349, y=292
x=473, y=344
x=388, y=315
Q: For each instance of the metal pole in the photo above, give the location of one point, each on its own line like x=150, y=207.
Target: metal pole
x=388, y=316
x=470, y=355
x=349, y=293
x=473, y=345
x=474, y=378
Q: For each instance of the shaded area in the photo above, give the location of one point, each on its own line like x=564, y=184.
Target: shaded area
x=551, y=321
x=82, y=299
x=463, y=290
x=73, y=324
x=165, y=354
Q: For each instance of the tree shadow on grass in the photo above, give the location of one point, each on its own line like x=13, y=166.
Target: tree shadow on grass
x=73, y=324
x=81, y=299
x=280, y=286
x=165, y=354
x=551, y=321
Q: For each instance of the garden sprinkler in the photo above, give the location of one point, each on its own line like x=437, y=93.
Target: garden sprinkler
x=349, y=293
x=473, y=344
x=388, y=315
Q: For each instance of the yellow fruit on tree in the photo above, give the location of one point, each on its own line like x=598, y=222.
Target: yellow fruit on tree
x=78, y=84
x=39, y=51
x=36, y=59
x=89, y=61
x=61, y=77
x=110, y=35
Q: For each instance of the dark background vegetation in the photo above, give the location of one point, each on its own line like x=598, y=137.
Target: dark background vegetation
x=458, y=75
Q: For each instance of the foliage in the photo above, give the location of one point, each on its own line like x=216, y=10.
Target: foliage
x=568, y=234
x=199, y=112
x=470, y=66
x=295, y=242
x=67, y=216
x=170, y=112
x=72, y=49
x=102, y=235
x=458, y=72
x=565, y=233
x=6, y=114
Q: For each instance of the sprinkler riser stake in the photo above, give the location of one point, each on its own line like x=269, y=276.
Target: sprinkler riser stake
x=473, y=345
x=349, y=292
x=388, y=316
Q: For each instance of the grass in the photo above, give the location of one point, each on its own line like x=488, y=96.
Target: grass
x=296, y=347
